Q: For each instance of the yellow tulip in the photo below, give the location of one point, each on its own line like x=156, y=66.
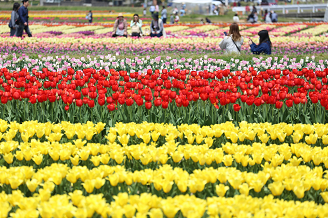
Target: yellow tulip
x=27, y=155
x=95, y=160
x=324, y=196
x=76, y=197
x=129, y=210
x=89, y=134
x=15, y=181
x=89, y=185
x=38, y=159
x=221, y=189
x=64, y=154
x=264, y=138
x=9, y=158
x=244, y=189
x=294, y=161
x=177, y=156
x=44, y=194
x=99, y=182
x=54, y=155
x=111, y=137
x=113, y=179
x=124, y=139
x=32, y=185
x=156, y=213
x=190, y=138
x=276, y=188
x=299, y=191
x=257, y=185
x=325, y=139
x=235, y=182
x=84, y=155
x=227, y=160
x=104, y=158
x=71, y=177
x=163, y=158
x=119, y=158
x=69, y=133
x=311, y=139
x=146, y=138
x=167, y=186
x=75, y=160
x=79, y=143
x=170, y=210
x=100, y=126
x=155, y=135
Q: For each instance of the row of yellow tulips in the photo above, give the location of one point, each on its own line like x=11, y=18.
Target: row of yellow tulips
x=261, y=132
x=297, y=182
x=81, y=153
x=145, y=205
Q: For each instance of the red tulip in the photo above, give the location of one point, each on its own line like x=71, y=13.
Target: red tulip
x=148, y=105
x=236, y=107
x=91, y=103
x=289, y=103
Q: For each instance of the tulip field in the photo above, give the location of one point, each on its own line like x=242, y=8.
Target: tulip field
x=88, y=131
x=95, y=39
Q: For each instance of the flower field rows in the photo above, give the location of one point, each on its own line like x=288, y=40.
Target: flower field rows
x=201, y=93
x=100, y=136
x=96, y=39
x=171, y=162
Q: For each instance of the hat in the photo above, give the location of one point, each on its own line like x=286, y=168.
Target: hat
x=24, y=1
x=155, y=16
x=120, y=15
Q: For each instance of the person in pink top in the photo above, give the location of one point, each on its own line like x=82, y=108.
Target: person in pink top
x=120, y=26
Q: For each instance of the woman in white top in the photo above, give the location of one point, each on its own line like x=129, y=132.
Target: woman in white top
x=233, y=41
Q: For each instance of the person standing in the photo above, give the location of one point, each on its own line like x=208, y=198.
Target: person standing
x=136, y=26
x=23, y=20
x=13, y=23
x=90, y=16
x=156, y=27
x=164, y=15
x=144, y=12
x=233, y=41
x=152, y=9
x=120, y=26
x=156, y=8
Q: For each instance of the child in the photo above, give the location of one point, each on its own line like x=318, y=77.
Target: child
x=144, y=12
x=172, y=19
x=176, y=19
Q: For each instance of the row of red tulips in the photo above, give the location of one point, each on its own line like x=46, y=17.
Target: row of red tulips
x=202, y=91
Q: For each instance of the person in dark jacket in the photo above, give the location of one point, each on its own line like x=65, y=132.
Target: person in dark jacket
x=23, y=20
x=265, y=43
x=13, y=23
x=156, y=26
